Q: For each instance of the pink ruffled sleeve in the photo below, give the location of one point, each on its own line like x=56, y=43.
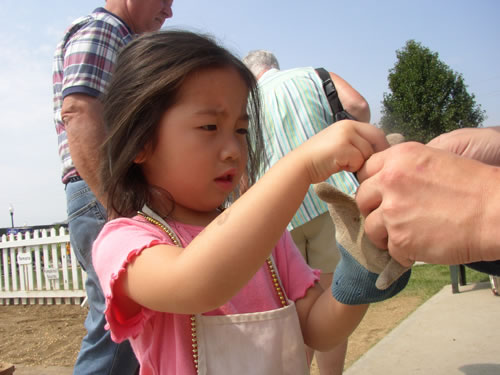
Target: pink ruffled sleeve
x=297, y=277
x=118, y=243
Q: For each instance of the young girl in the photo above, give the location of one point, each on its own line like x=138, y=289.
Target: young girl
x=198, y=285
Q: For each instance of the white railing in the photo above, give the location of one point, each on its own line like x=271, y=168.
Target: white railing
x=40, y=268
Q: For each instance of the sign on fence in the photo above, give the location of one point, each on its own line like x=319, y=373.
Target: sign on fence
x=24, y=257
x=51, y=273
x=40, y=269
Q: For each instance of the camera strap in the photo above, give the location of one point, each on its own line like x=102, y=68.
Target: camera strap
x=339, y=113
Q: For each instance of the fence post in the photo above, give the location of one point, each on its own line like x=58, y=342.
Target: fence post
x=4, y=269
x=38, y=266
x=55, y=264
x=13, y=269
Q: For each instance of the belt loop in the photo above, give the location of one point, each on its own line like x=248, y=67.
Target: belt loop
x=73, y=179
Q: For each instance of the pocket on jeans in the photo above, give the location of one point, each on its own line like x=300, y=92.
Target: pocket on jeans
x=86, y=217
x=91, y=210
x=82, y=200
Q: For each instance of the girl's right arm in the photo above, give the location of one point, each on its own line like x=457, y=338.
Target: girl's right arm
x=230, y=250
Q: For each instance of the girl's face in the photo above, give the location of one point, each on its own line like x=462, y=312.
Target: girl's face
x=201, y=150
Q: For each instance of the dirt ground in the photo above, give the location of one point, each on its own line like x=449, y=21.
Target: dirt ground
x=50, y=335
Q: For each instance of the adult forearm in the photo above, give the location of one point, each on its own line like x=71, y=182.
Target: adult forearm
x=84, y=150
x=85, y=131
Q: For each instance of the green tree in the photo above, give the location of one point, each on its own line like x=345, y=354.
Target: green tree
x=428, y=98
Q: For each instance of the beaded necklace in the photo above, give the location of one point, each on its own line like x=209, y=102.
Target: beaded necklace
x=175, y=240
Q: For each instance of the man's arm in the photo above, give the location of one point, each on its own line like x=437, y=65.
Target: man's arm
x=82, y=116
x=352, y=101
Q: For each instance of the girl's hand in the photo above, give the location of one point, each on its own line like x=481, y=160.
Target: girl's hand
x=344, y=145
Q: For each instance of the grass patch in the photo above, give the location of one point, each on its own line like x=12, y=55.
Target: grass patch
x=428, y=279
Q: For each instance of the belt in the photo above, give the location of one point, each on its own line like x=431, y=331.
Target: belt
x=73, y=179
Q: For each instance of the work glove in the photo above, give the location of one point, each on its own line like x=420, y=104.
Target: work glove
x=365, y=273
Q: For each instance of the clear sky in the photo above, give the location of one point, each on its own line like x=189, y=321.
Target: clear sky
x=355, y=39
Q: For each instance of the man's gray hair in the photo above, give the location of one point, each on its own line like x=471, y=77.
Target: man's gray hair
x=260, y=60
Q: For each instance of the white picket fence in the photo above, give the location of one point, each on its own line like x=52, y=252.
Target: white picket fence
x=40, y=268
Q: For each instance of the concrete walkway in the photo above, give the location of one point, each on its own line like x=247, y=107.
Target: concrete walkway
x=450, y=334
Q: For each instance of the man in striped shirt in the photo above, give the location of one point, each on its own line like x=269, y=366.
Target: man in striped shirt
x=83, y=63
x=295, y=108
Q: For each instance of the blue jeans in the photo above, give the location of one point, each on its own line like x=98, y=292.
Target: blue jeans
x=98, y=355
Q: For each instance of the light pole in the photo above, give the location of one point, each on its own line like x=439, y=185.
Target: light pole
x=11, y=210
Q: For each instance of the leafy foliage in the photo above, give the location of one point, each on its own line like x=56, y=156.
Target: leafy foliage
x=427, y=98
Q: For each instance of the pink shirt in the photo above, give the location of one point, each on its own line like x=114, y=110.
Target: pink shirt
x=162, y=341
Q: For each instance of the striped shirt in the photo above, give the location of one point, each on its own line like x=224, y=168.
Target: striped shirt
x=83, y=63
x=295, y=108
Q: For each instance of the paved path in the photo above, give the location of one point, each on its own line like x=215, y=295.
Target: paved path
x=450, y=334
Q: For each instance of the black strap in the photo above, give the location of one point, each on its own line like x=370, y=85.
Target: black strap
x=338, y=110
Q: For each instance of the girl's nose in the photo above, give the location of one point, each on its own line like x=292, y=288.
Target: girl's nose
x=232, y=148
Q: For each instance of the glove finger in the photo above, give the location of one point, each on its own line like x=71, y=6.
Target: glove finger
x=392, y=271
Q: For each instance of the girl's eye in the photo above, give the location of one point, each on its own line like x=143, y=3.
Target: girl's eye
x=211, y=127
x=243, y=131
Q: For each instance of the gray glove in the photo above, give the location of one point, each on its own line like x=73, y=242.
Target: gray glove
x=365, y=273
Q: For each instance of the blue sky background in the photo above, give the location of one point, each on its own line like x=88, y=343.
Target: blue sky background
x=356, y=39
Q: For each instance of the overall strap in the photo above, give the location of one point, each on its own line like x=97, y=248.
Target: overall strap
x=156, y=219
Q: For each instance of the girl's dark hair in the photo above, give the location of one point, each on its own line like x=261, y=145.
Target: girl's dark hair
x=146, y=80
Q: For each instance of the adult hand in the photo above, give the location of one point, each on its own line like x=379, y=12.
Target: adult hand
x=481, y=144
x=425, y=204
